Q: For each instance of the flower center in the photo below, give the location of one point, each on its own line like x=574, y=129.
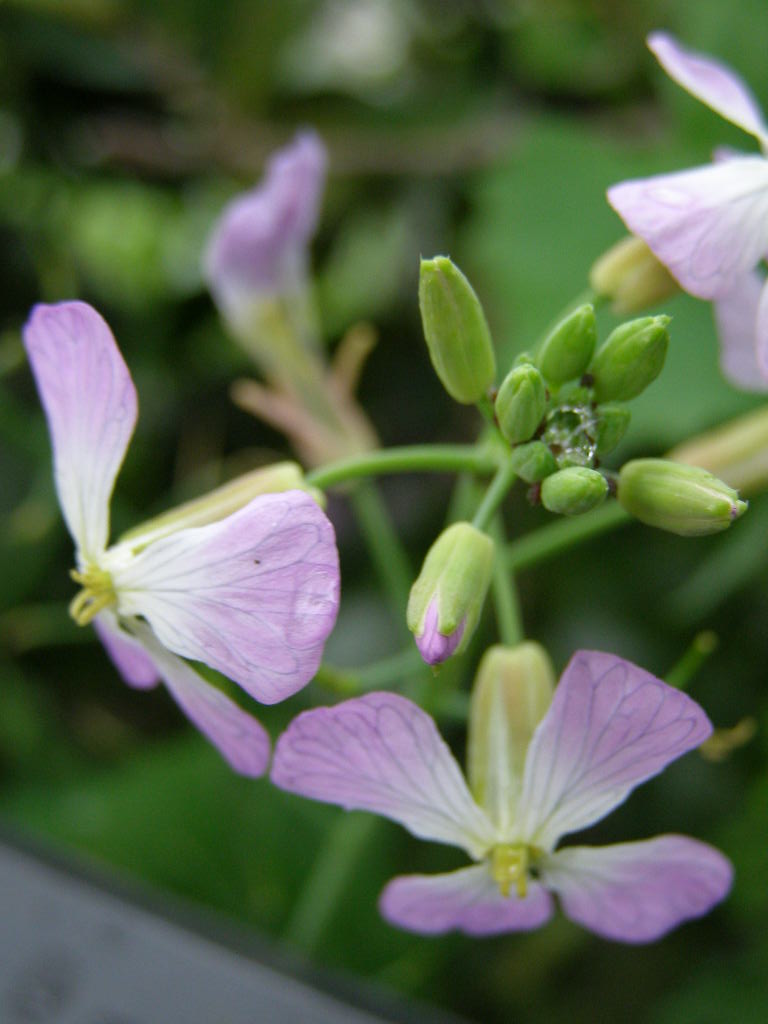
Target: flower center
x=510, y=865
x=97, y=593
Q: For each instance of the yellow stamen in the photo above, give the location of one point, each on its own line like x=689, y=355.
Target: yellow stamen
x=97, y=594
x=509, y=864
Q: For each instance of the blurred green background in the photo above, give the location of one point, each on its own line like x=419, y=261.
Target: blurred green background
x=483, y=128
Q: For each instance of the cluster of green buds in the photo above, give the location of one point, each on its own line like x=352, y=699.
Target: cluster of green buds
x=562, y=409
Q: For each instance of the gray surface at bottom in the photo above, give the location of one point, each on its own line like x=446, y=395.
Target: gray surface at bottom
x=71, y=953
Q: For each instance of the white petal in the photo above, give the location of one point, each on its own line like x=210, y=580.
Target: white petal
x=636, y=892
x=382, y=753
x=709, y=226
x=711, y=82
x=467, y=900
x=736, y=316
x=254, y=595
x=761, y=334
x=610, y=726
x=90, y=402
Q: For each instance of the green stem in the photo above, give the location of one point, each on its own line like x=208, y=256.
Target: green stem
x=560, y=536
x=497, y=491
x=384, y=547
x=445, y=458
x=683, y=671
x=505, y=598
x=318, y=898
x=387, y=672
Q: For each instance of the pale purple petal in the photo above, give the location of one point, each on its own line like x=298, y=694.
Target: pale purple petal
x=467, y=900
x=711, y=82
x=382, y=753
x=128, y=655
x=254, y=595
x=709, y=225
x=610, y=726
x=90, y=402
x=736, y=316
x=637, y=892
x=761, y=334
x=434, y=646
x=240, y=739
x=259, y=245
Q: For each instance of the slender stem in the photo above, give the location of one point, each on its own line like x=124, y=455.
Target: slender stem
x=387, y=553
x=387, y=672
x=497, y=491
x=560, y=536
x=686, y=667
x=318, y=898
x=505, y=598
x=445, y=458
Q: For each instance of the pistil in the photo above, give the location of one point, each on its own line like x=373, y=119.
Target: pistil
x=97, y=594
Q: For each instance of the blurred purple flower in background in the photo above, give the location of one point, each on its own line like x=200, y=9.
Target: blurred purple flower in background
x=253, y=595
x=709, y=225
x=610, y=726
x=259, y=247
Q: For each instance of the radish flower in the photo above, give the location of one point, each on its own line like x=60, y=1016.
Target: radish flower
x=253, y=595
x=709, y=225
x=609, y=727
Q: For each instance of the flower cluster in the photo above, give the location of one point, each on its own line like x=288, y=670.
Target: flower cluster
x=245, y=580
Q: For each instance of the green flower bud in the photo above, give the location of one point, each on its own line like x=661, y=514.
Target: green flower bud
x=520, y=403
x=573, y=490
x=630, y=358
x=612, y=423
x=222, y=501
x=682, y=499
x=566, y=351
x=533, y=461
x=511, y=694
x=456, y=331
x=447, y=598
x=631, y=276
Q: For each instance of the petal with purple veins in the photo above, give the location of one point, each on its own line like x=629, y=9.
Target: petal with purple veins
x=382, y=753
x=254, y=595
x=467, y=900
x=90, y=402
x=711, y=82
x=610, y=726
x=709, y=225
x=637, y=892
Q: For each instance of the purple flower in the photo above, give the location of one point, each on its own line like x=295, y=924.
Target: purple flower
x=610, y=726
x=258, y=249
x=709, y=225
x=253, y=595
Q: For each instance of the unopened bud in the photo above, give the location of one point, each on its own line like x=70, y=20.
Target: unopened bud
x=456, y=331
x=520, y=403
x=574, y=490
x=566, y=351
x=533, y=461
x=510, y=696
x=685, y=500
x=448, y=596
x=612, y=423
x=631, y=357
x=737, y=451
x=631, y=277
x=222, y=501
